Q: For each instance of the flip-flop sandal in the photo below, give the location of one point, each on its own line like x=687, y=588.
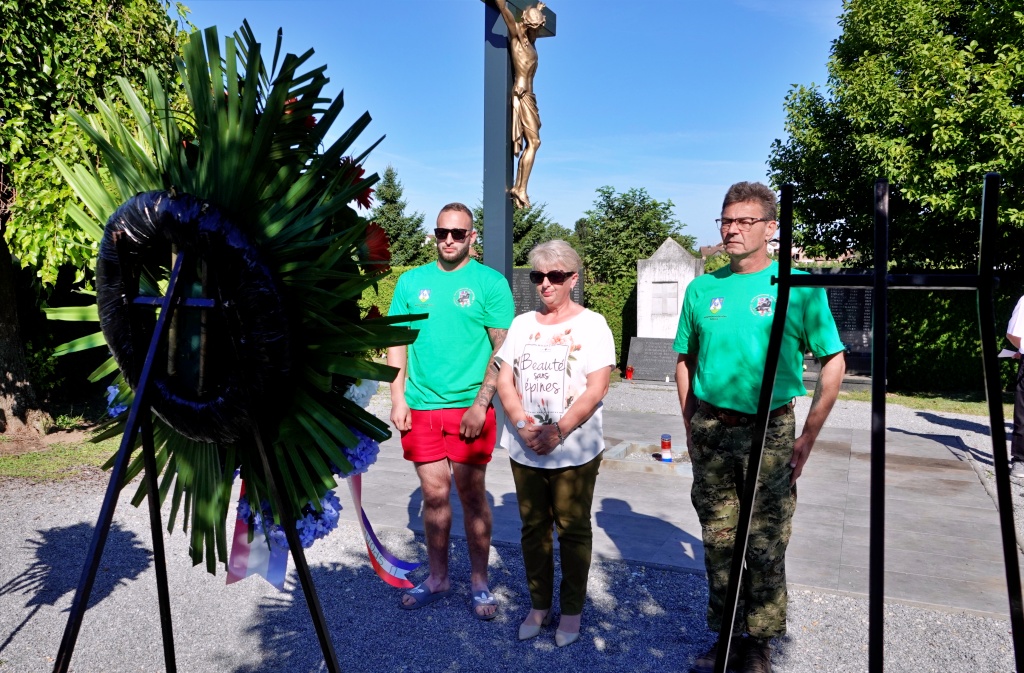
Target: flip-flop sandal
x=483, y=599
x=422, y=597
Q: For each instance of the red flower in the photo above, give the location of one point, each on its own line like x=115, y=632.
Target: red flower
x=309, y=122
x=351, y=173
x=375, y=248
x=373, y=313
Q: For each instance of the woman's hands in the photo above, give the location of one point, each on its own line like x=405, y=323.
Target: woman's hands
x=541, y=439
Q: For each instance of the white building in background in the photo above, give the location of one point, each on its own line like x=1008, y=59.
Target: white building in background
x=661, y=282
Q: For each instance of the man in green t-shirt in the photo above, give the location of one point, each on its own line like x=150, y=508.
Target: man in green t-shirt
x=443, y=407
x=722, y=343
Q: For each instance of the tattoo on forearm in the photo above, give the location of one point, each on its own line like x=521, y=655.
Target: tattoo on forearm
x=486, y=394
x=490, y=385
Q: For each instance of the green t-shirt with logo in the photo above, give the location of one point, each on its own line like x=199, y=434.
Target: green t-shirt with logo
x=448, y=359
x=726, y=320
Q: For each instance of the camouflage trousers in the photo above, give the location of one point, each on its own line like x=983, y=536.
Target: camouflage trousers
x=719, y=454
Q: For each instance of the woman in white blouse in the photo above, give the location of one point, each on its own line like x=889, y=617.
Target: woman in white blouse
x=555, y=365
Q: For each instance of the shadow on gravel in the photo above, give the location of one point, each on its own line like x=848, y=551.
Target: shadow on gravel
x=630, y=530
x=634, y=620
x=60, y=555
x=968, y=426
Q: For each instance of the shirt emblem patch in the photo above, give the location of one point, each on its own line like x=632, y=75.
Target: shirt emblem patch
x=424, y=295
x=464, y=297
x=716, y=305
x=762, y=305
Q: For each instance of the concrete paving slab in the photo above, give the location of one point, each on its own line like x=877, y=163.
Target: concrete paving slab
x=989, y=597
x=955, y=545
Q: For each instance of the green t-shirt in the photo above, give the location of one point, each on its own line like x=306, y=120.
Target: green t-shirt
x=726, y=320
x=448, y=359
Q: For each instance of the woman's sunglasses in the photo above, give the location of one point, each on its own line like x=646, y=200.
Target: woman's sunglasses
x=556, y=277
x=457, y=234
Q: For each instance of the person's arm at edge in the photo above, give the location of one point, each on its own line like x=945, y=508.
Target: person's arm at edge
x=401, y=417
x=473, y=419
x=686, y=365
x=1015, y=340
x=830, y=378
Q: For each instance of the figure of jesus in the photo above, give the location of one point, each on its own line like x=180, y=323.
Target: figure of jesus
x=525, y=116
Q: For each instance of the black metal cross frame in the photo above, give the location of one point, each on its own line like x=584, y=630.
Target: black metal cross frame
x=879, y=282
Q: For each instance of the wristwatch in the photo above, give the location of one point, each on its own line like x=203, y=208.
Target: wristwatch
x=520, y=425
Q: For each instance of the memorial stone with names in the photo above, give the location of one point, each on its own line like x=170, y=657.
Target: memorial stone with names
x=652, y=359
x=851, y=308
x=524, y=292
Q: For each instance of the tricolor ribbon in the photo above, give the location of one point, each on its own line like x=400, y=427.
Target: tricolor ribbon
x=390, y=569
x=256, y=558
x=261, y=558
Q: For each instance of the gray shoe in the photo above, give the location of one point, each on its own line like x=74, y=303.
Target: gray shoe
x=1017, y=471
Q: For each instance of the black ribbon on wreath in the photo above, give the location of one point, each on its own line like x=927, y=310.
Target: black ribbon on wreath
x=214, y=389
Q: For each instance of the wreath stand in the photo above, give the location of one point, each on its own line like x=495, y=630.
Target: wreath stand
x=140, y=423
x=879, y=282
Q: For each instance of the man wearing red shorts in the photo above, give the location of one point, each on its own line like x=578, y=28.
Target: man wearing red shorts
x=441, y=398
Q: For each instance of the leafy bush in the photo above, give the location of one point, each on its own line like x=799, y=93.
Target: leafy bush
x=617, y=303
x=934, y=341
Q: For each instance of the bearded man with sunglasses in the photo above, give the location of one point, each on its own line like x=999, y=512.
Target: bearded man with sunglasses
x=441, y=397
x=722, y=343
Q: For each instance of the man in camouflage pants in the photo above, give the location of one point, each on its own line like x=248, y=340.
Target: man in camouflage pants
x=722, y=343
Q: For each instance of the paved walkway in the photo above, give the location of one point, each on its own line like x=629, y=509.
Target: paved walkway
x=942, y=531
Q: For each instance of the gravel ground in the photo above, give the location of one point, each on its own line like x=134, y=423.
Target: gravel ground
x=637, y=618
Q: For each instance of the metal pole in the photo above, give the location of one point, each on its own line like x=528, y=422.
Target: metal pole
x=879, y=347
x=157, y=528
x=279, y=495
x=760, y=429
x=993, y=392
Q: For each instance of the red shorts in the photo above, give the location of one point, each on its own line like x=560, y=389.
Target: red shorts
x=435, y=435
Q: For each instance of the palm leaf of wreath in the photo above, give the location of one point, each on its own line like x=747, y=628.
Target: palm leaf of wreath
x=246, y=149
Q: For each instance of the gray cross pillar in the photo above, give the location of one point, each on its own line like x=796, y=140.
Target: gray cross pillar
x=498, y=165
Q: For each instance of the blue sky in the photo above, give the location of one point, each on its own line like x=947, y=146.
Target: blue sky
x=679, y=97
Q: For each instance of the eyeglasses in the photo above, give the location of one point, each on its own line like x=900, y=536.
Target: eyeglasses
x=742, y=223
x=457, y=234
x=556, y=277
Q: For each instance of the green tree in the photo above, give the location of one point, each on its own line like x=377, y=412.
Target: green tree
x=405, y=232
x=57, y=54
x=927, y=94
x=530, y=226
x=622, y=228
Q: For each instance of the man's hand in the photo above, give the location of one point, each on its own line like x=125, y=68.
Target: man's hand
x=472, y=422
x=801, y=452
x=830, y=378
x=401, y=416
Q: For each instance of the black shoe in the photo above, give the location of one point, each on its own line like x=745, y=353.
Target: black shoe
x=758, y=657
x=1017, y=471
x=705, y=663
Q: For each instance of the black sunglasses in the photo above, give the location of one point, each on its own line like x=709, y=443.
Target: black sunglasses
x=556, y=277
x=457, y=234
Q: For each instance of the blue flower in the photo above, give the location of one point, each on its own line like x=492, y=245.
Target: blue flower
x=313, y=525
x=362, y=456
x=114, y=409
